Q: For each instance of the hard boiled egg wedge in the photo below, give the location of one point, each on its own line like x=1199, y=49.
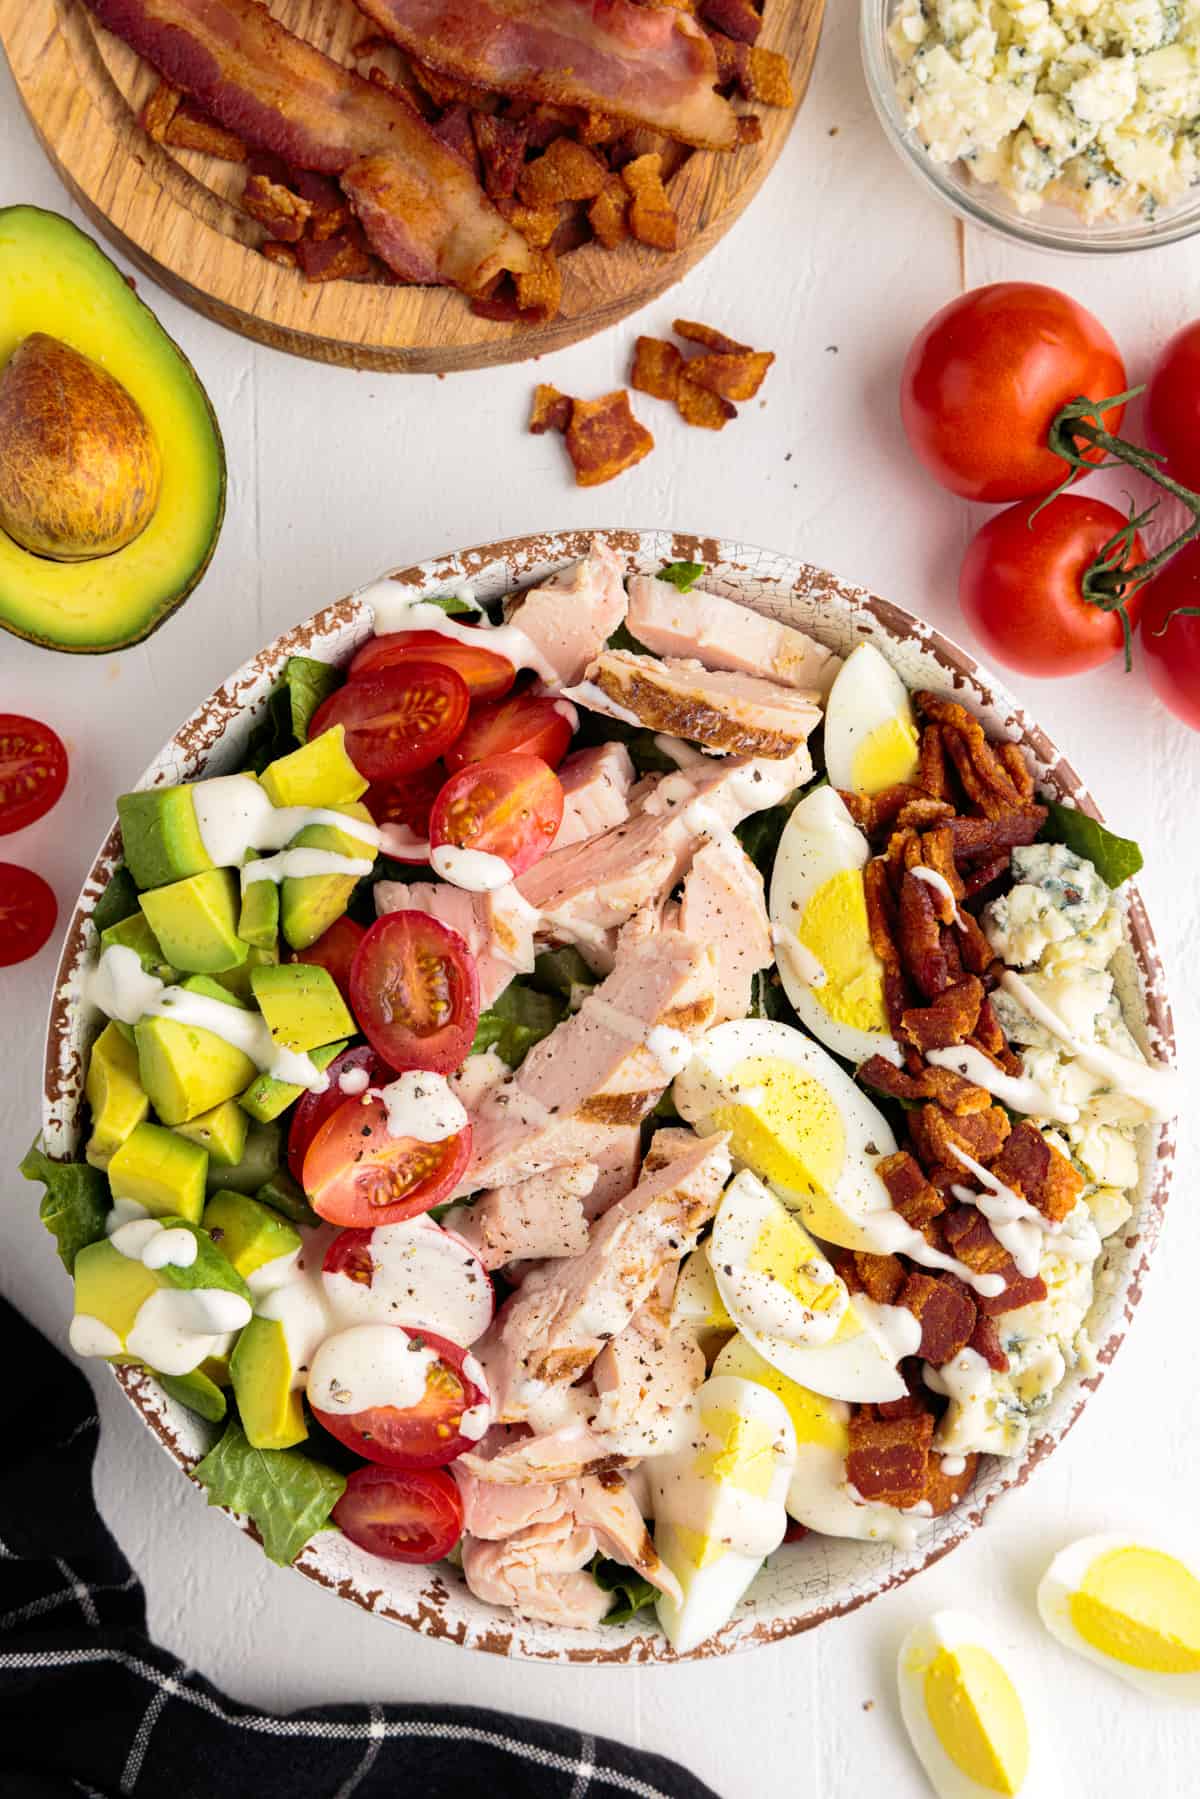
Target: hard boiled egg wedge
x=797, y=1121
x=1131, y=1608
x=818, y=1493
x=823, y=948
x=697, y=1302
x=794, y=1310
x=718, y=1503
x=965, y=1716
x=870, y=734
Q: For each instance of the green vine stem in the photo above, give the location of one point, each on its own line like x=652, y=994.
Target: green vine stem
x=1111, y=579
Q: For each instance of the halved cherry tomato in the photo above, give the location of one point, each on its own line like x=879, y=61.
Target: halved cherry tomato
x=33, y=771
x=408, y=801
x=312, y=1109
x=509, y=806
x=425, y=1435
x=399, y=720
x=334, y=950
x=486, y=673
x=28, y=913
x=355, y=1172
x=415, y=1516
x=414, y=990
x=350, y=1254
x=526, y=721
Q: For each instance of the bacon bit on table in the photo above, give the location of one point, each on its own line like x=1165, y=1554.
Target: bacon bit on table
x=602, y=436
x=703, y=387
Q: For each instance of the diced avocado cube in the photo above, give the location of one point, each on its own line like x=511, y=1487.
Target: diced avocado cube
x=115, y=1094
x=260, y=1161
x=237, y=980
x=267, y=1386
x=160, y=1170
x=112, y=1287
x=134, y=933
x=265, y=1098
x=198, y=1391
x=221, y=1131
x=161, y=837
x=310, y=903
x=187, y=1070
x=258, y=920
x=285, y=1195
x=196, y=920
x=248, y=1233
x=319, y=774
x=301, y=1004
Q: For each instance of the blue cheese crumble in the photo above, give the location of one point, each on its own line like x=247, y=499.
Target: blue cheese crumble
x=1090, y=104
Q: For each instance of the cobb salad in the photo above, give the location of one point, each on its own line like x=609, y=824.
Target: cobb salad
x=609, y=1087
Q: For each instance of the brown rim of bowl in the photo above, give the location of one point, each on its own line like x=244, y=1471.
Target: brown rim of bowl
x=195, y=740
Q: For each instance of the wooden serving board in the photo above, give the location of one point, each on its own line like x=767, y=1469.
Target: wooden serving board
x=174, y=212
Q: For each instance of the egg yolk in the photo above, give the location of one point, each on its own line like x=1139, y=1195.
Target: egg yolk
x=887, y=754
x=789, y=1130
x=815, y=1420
x=978, y=1717
x=1141, y=1607
x=784, y=1253
x=834, y=927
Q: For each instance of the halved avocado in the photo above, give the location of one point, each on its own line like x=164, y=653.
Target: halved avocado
x=55, y=280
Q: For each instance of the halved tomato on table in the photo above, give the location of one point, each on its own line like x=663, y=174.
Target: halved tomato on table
x=414, y=1516
x=312, y=1109
x=509, y=806
x=530, y=722
x=33, y=771
x=427, y=1434
x=355, y=1172
x=334, y=950
x=414, y=990
x=398, y=720
x=486, y=673
x=28, y=913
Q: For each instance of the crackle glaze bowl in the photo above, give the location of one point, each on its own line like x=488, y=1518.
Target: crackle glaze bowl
x=803, y=1584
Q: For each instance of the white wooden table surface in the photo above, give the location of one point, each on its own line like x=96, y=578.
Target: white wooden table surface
x=335, y=476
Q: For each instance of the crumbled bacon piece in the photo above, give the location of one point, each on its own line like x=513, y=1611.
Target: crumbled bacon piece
x=874, y=812
x=329, y=212
x=932, y=776
x=656, y=368
x=735, y=375
x=190, y=128
x=927, y=1082
x=978, y=838
x=984, y=776
x=283, y=212
x=342, y=257
x=738, y=19
x=551, y=410
x=454, y=130
x=937, y=1133
x=603, y=438
x=760, y=75
x=283, y=254
x=537, y=224
x=918, y=814
x=946, y=1313
x=970, y=1238
x=1037, y=1171
x=1019, y=771
x=949, y=1019
x=448, y=90
x=944, y=1491
x=977, y=880
x=651, y=216
x=991, y=1039
x=749, y=129
x=879, y=1277
x=501, y=145
x=565, y=171
x=159, y=110
x=539, y=288
x=920, y=938
x=707, y=336
x=985, y=1341
x=699, y=406
x=607, y=214
x=911, y=1194
x=888, y=1457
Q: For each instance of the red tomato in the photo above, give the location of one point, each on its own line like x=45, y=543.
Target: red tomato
x=1020, y=587
x=407, y=802
x=486, y=674
x=405, y=1517
x=529, y=722
x=334, y=950
x=1171, y=646
x=414, y=990
x=355, y=1172
x=28, y=913
x=1173, y=405
x=312, y=1109
x=33, y=771
x=509, y=806
x=425, y=1435
x=350, y=1254
x=984, y=379
x=397, y=721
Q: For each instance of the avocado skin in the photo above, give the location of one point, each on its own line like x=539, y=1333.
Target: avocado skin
x=36, y=238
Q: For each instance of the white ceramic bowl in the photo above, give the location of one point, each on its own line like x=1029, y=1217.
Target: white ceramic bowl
x=804, y=1584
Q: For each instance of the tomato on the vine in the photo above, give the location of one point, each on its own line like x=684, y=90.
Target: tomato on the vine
x=1170, y=635
x=1173, y=405
x=1021, y=586
x=984, y=379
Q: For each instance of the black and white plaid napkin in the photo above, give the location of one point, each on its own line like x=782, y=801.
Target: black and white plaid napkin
x=89, y=1706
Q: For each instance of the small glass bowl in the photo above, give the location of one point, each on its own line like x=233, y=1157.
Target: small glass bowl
x=1054, y=227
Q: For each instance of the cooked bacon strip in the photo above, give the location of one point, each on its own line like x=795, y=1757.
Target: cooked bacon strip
x=651, y=65
x=950, y=1019
x=942, y=1084
x=969, y=1236
x=888, y=1457
x=879, y=1277
x=1037, y=1171
x=944, y=1491
x=946, y=1312
x=421, y=207
x=910, y=1193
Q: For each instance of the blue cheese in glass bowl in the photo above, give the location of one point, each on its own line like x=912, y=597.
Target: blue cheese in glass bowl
x=1089, y=104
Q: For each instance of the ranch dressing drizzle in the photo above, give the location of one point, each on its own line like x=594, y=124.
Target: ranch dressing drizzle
x=475, y=870
x=565, y=710
x=1152, y=1084
x=175, y=1328
x=1016, y=1091
x=291, y=865
x=369, y=1365
x=941, y=885
x=890, y=1234
x=421, y=1275
x=802, y=963
x=234, y=815
x=395, y=610
x=422, y=1106
x=120, y=987
x=1016, y=1224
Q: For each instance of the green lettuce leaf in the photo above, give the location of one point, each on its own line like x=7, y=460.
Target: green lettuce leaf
x=683, y=575
x=454, y=606
x=633, y=1594
x=286, y=1495
x=760, y=833
x=75, y=1203
x=119, y=900
x=519, y=1018
x=1114, y=858
x=624, y=639
x=562, y=972
x=308, y=683
x=768, y=999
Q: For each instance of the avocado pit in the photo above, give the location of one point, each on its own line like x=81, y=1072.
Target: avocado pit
x=80, y=468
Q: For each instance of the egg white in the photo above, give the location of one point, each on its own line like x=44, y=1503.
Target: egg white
x=1064, y=1577
x=772, y=1299
x=870, y=733
x=955, y=1630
